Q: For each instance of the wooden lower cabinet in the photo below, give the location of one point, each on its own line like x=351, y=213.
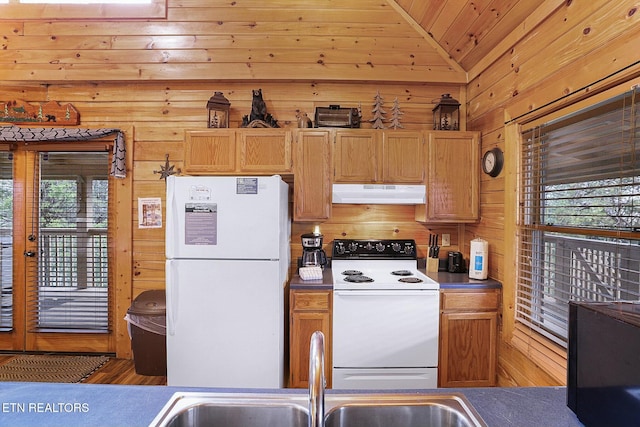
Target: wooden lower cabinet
x=310, y=311
x=468, y=338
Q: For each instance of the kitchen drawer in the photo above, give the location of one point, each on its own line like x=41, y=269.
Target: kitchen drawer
x=311, y=301
x=463, y=300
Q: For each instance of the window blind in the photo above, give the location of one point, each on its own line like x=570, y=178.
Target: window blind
x=6, y=241
x=579, y=213
x=72, y=292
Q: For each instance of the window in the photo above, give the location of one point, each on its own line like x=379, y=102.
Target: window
x=82, y=9
x=86, y=1
x=579, y=214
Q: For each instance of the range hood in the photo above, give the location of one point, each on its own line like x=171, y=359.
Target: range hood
x=381, y=194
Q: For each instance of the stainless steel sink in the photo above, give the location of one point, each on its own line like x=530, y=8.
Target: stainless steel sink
x=446, y=410
x=342, y=410
x=233, y=410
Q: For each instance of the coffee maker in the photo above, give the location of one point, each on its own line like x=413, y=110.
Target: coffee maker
x=312, y=253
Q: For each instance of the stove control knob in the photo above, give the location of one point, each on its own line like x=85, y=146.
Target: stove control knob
x=396, y=247
x=408, y=249
x=369, y=246
x=353, y=246
x=379, y=246
x=340, y=248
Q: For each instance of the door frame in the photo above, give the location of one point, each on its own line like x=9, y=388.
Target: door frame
x=121, y=248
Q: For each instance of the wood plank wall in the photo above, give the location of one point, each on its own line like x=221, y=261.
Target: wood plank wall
x=578, y=45
x=315, y=40
x=154, y=77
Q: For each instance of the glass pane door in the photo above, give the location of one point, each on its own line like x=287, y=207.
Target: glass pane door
x=6, y=241
x=72, y=292
x=55, y=292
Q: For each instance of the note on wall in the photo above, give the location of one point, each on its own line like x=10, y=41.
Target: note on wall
x=149, y=212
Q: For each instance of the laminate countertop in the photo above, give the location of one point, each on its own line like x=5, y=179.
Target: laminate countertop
x=88, y=405
x=445, y=279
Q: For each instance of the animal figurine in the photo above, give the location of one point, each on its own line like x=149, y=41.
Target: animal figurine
x=303, y=120
x=258, y=106
x=259, y=118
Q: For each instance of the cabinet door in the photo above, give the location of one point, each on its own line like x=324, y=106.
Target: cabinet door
x=468, y=349
x=312, y=172
x=310, y=312
x=264, y=150
x=453, y=177
x=210, y=151
x=356, y=155
x=402, y=157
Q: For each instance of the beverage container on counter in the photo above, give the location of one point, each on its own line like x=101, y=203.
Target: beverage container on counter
x=478, y=265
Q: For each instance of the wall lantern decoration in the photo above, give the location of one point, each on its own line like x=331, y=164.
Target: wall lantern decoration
x=446, y=114
x=218, y=107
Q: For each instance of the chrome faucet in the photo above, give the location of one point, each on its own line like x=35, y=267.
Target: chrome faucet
x=316, y=380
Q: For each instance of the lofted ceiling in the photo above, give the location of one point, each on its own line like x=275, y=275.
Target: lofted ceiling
x=433, y=41
x=468, y=32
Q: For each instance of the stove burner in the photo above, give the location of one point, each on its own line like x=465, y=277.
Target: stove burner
x=358, y=278
x=352, y=273
x=410, y=280
x=401, y=273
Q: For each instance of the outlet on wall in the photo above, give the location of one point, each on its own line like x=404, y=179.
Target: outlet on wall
x=446, y=240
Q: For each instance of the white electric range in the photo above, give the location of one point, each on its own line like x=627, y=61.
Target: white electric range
x=385, y=316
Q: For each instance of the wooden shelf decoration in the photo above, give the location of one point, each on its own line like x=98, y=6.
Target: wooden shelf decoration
x=52, y=113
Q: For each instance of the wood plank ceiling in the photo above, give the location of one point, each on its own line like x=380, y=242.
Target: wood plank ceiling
x=425, y=41
x=468, y=31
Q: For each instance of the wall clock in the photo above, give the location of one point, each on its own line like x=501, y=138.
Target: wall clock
x=492, y=162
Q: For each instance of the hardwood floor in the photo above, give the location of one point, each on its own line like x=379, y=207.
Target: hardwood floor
x=122, y=371
x=115, y=371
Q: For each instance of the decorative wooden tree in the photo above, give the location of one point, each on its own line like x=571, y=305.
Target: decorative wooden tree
x=395, y=115
x=378, y=112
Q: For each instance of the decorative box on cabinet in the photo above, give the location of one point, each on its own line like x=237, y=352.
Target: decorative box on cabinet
x=452, y=179
x=375, y=156
x=310, y=312
x=238, y=151
x=312, y=171
x=468, y=337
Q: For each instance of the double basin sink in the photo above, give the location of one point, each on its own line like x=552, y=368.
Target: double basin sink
x=341, y=410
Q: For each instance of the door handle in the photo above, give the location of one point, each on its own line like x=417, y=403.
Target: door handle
x=29, y=253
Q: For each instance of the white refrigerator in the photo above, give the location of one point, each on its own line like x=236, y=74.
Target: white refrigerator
x=227, y=249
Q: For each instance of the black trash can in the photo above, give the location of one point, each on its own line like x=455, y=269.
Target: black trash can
x=148, y=332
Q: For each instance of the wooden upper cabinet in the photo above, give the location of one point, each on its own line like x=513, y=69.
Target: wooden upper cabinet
x=402, y=157
x=210, y=151
x=241, y=151
x=312, y=171
x=376, y=156
x=264, y=150
x=356, y=156
x=453, y=168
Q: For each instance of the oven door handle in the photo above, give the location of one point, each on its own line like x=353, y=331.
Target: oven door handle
x=399, y=292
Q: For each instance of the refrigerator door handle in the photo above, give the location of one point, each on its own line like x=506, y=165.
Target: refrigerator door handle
x=172, y=223
x=172, y=298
